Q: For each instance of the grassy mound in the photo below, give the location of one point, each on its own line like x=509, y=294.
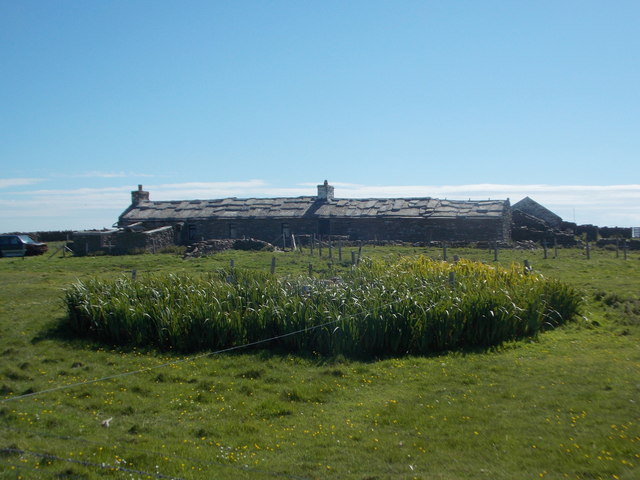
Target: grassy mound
x=414, y=306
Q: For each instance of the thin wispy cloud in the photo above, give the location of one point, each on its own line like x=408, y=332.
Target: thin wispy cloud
x=18, y=182
x=82, y=191
x=209, y=190
x=99, y=174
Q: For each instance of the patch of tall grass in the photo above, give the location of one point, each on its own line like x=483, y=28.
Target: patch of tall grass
x=413, y=306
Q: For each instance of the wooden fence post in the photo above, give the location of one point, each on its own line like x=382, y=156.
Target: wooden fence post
x=340, y=250
x=353, y=258
x=555, y=247
x=134, y=274
x=232, y=266
x=626, y=248
x=495, y=252
x=452, y=279
x=588, y=250
x=444, y=252
x=273, y=265
x=330, y=248
x=527, y=267
x=544, y=246
x=310, y=269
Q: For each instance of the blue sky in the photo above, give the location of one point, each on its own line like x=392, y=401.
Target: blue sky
x=206, y=99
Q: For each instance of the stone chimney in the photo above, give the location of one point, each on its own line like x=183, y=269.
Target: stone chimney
x=138, y=196
x=325, y=191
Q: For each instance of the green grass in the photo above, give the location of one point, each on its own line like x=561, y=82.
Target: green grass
x=564, y=405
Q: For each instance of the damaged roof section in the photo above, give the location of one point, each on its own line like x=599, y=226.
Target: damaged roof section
x=534, y=209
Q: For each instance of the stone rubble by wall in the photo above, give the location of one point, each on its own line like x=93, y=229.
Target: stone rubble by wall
x=213, y=246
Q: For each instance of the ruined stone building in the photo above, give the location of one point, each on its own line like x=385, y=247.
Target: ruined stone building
x=120, y=241
x=533, y=222
x=530, y=207
x=404, y=219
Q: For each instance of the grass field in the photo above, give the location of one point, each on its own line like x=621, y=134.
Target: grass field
x=563, y=405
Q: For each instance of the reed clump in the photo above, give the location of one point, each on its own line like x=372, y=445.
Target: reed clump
x=413, y=306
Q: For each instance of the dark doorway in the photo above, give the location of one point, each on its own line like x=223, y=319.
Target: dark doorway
x=193, y=232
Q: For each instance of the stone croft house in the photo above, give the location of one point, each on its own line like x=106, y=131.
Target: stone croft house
x=422, y=219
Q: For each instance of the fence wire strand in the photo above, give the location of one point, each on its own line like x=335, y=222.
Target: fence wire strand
x=167, y=364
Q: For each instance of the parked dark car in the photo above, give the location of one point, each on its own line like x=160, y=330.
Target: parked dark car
x=20, y=245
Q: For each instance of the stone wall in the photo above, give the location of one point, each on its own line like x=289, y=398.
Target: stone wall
x=631, y=244
x=615, y=232
x=590, y=232
x=149, y=241
x=91, y=242
x=401, y=229
x=120, y=242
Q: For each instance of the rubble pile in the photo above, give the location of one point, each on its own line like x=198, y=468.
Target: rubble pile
x=525, y=245
x=210, y=247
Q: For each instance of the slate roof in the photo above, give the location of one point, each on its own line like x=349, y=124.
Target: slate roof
x=301, y=207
